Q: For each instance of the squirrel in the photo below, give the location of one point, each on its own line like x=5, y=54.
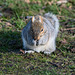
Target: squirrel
x=39, y=35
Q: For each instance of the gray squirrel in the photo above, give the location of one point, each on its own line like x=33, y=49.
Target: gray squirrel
x=40, y=34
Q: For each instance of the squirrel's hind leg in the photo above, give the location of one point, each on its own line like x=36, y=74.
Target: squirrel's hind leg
x=49, y=51
x=46, y=52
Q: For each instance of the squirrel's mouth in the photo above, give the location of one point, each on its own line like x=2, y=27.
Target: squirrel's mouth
x=37, y=43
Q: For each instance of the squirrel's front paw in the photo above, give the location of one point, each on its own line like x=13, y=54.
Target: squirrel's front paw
x=24, y=51
x=29, y=51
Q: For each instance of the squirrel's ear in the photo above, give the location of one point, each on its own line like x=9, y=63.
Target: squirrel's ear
x=40, y=19
x=33, y=19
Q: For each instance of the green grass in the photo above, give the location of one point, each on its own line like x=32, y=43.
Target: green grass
x=12, y=62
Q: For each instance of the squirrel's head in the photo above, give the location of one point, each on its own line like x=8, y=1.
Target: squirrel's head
x=37, y=29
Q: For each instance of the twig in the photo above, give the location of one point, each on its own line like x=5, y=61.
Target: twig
x=68, y=29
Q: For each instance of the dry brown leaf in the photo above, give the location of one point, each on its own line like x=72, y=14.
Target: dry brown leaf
x=62, y=2
x=50, y=3
x=73, y=50
x=64, y=41
x=27, y=1
x=70, y=7
x=22, y=51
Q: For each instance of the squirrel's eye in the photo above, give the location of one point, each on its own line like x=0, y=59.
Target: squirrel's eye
x=41, y=29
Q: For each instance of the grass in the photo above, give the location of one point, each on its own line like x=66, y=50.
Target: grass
x=60, y=62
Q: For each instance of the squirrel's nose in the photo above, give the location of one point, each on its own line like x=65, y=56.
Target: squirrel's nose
x=35, y=38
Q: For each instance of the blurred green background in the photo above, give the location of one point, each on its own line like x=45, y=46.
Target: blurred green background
x=12, y=21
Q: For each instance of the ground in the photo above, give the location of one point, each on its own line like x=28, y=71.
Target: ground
x=12, y=21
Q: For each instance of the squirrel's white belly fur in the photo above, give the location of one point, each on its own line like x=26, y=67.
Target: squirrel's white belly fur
x=49, y=46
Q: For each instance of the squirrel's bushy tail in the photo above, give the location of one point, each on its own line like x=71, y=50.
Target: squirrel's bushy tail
x=54, y=19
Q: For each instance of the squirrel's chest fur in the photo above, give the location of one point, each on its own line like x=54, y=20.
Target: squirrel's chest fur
x=47, y=46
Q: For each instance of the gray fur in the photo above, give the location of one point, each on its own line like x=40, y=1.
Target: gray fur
x=46, y=43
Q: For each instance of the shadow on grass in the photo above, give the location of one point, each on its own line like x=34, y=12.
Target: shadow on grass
x=10, y=41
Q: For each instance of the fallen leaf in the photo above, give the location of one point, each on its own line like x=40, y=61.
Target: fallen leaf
x=27, y=1
x=64, y=41
x=22, y=51
x=73, y=50
x=62, y=2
